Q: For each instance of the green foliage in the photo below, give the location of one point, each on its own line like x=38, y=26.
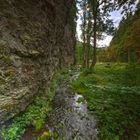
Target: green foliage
x=125, y=43
x=39, y=123
x=80, y=100
x=45, y=136
x=113, y=97
x=36, y=113
x=79, y=52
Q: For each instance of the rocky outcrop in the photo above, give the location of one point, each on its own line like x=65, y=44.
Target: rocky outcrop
x=36, y=38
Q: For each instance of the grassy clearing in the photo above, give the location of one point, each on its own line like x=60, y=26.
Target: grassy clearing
x=112, y=92
x=37, y=112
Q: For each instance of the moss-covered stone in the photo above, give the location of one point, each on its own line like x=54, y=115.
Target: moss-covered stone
x=36, y=38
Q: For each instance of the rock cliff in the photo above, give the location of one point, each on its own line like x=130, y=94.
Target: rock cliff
x=36, y=38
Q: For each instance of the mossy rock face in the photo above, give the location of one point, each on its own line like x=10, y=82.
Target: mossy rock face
x=12, y=103
x=2, y=44
x=32, y=34
x=4, y=52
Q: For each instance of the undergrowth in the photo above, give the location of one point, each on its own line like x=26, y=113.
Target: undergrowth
x=36, y=113
x=112, y=92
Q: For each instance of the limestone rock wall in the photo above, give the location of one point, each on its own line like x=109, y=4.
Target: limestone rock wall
x=36, y=38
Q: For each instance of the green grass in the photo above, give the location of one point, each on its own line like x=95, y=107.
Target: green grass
x=37, y=112
x=112, y=92
x=35, y=115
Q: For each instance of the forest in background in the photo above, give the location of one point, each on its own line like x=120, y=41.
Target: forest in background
x=124, y=46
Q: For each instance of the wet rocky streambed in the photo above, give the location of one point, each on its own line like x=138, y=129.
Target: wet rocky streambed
x=69, y=119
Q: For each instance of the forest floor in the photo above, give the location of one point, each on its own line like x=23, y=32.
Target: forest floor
x=112, y=95
x=112, y=92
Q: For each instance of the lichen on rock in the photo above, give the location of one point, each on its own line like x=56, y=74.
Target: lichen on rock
x=36, y=38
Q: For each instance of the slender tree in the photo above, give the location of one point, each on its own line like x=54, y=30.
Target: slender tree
x=88, y=36
x=83, y=28
x=86, y=28
x=101, y=22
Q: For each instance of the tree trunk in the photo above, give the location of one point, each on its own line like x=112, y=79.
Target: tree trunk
x=88, y=55
x=74, y=53
x=60, y=58
x=84, y=54
x=88, y=50
x=138, y=54
x=128, y=56
x=94, y=41
x=84, y=35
